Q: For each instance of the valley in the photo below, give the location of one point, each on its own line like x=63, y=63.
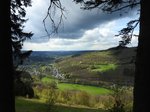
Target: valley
x=82, y=78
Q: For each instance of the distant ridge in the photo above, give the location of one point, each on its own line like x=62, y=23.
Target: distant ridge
x=50, y=56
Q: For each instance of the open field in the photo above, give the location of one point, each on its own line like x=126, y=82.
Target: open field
x=93, y=90
x=33, y=105
x=89, y=89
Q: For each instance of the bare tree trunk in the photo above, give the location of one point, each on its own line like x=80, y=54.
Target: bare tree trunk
x=141, y=87
x=7, y=99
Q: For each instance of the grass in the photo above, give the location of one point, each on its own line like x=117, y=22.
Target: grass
x=104, y=67
x=47, y=80
x=76, y=109
x=33, y=105
x=30, y=105
x=89, y=89
x=67, y=86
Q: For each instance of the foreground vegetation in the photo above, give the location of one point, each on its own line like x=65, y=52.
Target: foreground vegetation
x=51, y=100
x=34, y=105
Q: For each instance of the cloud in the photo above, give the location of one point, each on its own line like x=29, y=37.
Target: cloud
x=77, y=21
x=81, y=30
x=99, y=38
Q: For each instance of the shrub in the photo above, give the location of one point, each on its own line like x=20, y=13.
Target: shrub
x=23, y=84
x=50, y=98
x=122, y=99
x=82, y=98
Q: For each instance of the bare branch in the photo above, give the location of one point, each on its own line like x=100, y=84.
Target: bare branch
x=51, y=15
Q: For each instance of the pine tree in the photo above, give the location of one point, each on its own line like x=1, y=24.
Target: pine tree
x=18, y=36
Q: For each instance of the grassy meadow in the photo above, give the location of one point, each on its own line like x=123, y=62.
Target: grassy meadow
x=34, y=105
x=93, y=90
x=89, y=89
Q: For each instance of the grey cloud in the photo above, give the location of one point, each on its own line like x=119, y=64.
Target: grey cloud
x=77, y=22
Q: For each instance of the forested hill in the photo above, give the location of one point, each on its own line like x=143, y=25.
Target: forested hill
x=115, y=65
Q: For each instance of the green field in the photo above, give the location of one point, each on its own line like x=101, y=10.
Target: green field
x=89, y=89
x=32, y=105
x=29, y=105
x=104, y=67
x=68, y=86
x=48, y=79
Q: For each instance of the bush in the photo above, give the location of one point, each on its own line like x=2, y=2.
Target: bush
x=23, y=84
x=122, y=98
x=50, y=98
x=82, y=98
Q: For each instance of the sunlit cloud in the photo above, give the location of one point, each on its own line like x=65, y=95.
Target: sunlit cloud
x=82, y=30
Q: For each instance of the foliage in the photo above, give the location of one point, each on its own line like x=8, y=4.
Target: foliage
x=50, y=97
x=23, y=79
x=127, y=33
x=18, y=35
x=33, y=105
x=100, y=67
x=47, y=94
x=18, y=13
x=113, y=6
x=82, y=95
x=106, y=6
x=23, y=84
x=82, y=98
x=122, y=99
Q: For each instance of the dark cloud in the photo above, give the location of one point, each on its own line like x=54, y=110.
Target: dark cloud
x=78, y=21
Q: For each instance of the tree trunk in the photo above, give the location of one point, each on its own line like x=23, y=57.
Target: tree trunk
x=141, y=87
x=7, y=99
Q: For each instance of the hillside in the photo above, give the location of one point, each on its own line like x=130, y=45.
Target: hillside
x=78, y=79
x=115, y=65
x=47, y=57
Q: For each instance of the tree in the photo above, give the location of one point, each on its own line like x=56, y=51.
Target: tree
x=12, y=36
x=141, y=92
x=18, y=36
x=23, y=84
x=7, y=101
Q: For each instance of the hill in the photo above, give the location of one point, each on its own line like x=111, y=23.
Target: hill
x=115, y=65
x=47, y=57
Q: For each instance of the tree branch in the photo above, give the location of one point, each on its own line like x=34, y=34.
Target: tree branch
x=51, y=15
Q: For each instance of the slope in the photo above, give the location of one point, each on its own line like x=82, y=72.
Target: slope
x=115, y=65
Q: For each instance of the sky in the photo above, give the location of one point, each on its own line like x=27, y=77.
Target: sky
x=80, y=29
